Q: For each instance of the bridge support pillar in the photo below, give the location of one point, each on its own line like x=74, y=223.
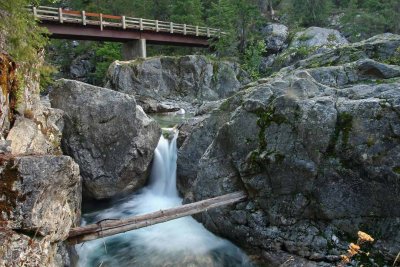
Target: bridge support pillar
x=134, y=49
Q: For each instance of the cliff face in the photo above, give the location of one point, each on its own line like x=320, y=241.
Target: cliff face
x=190, y=79
x=40, y=190
x=316, y=148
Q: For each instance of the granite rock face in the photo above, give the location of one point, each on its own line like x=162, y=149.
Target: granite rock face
x=276, y=37
x=108, y=135
x=318, y=37
x=317, y=150
x=188, y=79
x=41, y=200
x=38, y=133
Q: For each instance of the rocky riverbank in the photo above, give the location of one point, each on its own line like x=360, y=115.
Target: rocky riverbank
x=316, y=148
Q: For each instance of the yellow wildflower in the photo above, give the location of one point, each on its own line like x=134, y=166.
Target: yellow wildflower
x=364, y=237
x=345, y=259
x=355, y=247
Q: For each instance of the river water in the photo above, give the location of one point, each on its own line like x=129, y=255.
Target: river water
x=181, y=242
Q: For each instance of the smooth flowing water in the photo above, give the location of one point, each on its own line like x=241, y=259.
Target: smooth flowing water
x=181, y=242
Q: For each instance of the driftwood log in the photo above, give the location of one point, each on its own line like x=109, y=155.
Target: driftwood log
x=112, y=227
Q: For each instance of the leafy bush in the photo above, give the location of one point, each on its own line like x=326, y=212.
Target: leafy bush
x=105, y=54
x=252, y=58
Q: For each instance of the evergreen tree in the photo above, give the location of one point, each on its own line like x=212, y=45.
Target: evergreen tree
x=187, y=11
x=309, y=12
x=239, y=19
x=364, y=19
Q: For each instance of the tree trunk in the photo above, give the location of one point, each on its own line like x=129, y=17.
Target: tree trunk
x=111, y=227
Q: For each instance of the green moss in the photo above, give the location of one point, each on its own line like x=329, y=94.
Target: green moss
x=303, y=51
x=396, y=170
x=262, y=158
x=9, y=84
x=215, y=70
x=332, y=37
x=265, y=119
x=344, y=125
x=225, y=106
x=304, y=38
x=370, y=141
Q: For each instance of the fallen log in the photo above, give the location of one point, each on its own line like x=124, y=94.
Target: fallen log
x=112, y=227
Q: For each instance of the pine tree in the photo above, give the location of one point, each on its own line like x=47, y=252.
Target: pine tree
x=239, y=20
x=187, y=11
x=309, y=12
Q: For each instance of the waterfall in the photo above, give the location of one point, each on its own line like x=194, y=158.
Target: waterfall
x=163, y=171
x=180, y=242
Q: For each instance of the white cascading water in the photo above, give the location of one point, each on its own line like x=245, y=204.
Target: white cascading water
x=180, y=242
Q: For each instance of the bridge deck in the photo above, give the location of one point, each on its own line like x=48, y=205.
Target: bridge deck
x=69, y=24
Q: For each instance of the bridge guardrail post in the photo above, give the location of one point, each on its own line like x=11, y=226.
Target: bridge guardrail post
x=157, y=27
x=84, y=17
x=208, y=32
x=60, y=15
x=197, y=30
x=184, y=29
x=141, y=24
x=34, y=12
x=123, y=22
x=171, y=27
x=101, y=22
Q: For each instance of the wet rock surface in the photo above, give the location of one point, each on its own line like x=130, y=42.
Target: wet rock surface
x=316, y=148
x=108, y=135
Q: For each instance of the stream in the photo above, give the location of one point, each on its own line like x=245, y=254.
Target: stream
x=180, y=242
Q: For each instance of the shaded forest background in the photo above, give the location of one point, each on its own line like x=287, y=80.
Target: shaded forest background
x=242, y=20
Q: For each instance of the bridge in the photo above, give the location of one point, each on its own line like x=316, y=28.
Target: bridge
x=134, y=33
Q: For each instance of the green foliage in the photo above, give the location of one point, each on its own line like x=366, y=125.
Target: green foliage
x=309, y=12
x=105, y=54
x=24, y=38
x=239, y=19
x=47, y=73
x=253, y=57
x=364, y=19
x=187, y=11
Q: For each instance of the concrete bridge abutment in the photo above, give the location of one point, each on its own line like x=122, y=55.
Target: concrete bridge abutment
x=134, y=49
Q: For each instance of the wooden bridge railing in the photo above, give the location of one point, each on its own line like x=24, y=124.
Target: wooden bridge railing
x=103, y=20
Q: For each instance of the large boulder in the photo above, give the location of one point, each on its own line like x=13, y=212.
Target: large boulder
x=317, y=151
x=108, y=135
x=275, y=36
x=41, y=201
x=187, y=78
x=318, y=37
